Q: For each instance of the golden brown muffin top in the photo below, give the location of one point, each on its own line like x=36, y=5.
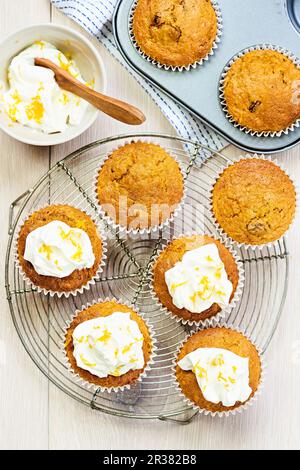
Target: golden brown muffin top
x=174, y=253
x=75, y=218
x=254, y=201
x=140, y=185
x=217, y=338
x=104, y=309
x=175, y=32
x=260, y=91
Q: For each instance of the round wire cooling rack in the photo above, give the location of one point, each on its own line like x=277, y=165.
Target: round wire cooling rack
x=41, y=320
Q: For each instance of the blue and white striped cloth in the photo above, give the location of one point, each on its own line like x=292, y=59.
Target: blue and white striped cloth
x=95, y=17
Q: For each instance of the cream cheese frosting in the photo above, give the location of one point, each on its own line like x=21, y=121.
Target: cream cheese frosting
x=35, y=99
x=199, y=280
x=222, y=375
x=111, y=345
x=56, y=249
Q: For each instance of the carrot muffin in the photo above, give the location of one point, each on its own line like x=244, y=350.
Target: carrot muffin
x=195, y=277
x=59, y=248
x=175, y=32
x=218, y=369
x=108, y=344
x=139, y=186
x=259, y=91
x=254, y=201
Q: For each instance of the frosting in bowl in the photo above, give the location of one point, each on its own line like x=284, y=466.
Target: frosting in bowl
x=111, y=345
x=56, y=249
x=34, y=98
x=222, y=375
x=199, y=280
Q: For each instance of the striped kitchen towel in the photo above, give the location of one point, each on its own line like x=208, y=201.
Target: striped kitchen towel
x=95, y=17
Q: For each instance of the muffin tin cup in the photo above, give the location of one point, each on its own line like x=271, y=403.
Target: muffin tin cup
x=132, y=232
x=223, y=103
x=177, y=68
x=222, y=234
x=224, y=413
x=59, y=294
x=97, y=388
x=220, y=316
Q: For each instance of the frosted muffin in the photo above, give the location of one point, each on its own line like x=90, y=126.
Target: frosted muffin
x=175, y=32
x=195, y=277
x=259, y=91
x=139, y=186
x=254, y=201
x=59, y=248
x=218, y=369
x=108, y=345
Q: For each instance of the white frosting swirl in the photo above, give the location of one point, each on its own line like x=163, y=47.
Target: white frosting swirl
x=56, y=249
x=110, y=345
x=35, y=99
x=199, y=280
x=221, y=375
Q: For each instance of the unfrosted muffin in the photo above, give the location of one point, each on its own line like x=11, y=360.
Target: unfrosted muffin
x=139, y=186
x=175, y=32
x=218, y=369
x=259, y=91
x=108, y=344
x=195, y=277
x=59, y=248
x=254, y=201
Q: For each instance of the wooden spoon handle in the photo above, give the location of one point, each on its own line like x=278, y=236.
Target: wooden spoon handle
x=117, y=109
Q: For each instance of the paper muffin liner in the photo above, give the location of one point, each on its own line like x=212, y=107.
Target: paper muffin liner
x=97, y=388
x=224, y=413
x=219, y=317
x=132, y=232
x=222, y=99
x=52, y=293
x=178, y=68
x=222, y=234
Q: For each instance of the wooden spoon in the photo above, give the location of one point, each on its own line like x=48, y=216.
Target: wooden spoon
x=117, y=109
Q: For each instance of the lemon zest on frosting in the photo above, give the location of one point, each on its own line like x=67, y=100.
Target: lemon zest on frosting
x=218, y=361
x=221, y=377
x=105, y=337
x=40, y=43
x=127, y=348
x=16, y=97
x=174, y=286
x=47, y=250
x=64, y=99
x=35, y=110
x=132, y=360
x=86, y=362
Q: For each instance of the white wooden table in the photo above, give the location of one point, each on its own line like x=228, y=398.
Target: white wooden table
x=33, y=412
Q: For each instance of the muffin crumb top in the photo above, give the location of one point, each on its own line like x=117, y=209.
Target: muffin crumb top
x=260, y=91
x=254, y=201
x=175, y=32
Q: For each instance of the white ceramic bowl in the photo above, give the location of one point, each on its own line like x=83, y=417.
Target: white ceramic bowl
x=67, y=40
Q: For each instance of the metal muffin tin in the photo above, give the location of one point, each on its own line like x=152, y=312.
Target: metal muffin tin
x=254, y=22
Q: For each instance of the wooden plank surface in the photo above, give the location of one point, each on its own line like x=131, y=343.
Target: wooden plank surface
x=35, y=414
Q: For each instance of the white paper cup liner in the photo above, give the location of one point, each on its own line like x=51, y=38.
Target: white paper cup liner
x=97, y=388
x=222, y=234
x=223, y=103
x=224, y=413
x=52, y=293
x=178, y=68
x=221, y=315
x=132, y=232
